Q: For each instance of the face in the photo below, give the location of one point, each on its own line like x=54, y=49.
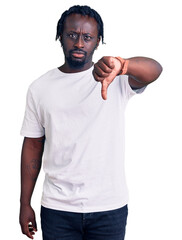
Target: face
x=79, y=41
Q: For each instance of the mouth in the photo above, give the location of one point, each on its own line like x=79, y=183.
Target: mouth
x=78, y=54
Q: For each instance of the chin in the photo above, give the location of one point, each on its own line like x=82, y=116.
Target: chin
x=76, y=63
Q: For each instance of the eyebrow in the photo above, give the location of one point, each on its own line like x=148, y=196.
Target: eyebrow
x=73, y=31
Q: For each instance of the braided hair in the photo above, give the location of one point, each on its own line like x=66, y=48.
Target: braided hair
x=84, y=11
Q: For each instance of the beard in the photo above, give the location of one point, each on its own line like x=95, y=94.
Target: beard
x=76, y=62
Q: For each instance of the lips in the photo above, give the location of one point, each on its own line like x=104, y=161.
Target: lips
x=78, y=54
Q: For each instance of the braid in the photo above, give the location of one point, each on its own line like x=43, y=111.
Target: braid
x=82, y=10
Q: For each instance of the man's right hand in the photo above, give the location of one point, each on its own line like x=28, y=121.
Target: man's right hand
x=105, y=71
x=27, y=221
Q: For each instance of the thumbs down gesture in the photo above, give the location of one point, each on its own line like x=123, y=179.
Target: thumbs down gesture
x=105, y=71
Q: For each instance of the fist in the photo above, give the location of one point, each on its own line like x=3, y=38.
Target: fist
x=27, y=221
x=105, y=71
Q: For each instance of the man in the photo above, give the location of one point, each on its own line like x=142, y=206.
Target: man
x=75, y=117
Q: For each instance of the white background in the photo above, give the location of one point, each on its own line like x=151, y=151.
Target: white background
x=154, y=133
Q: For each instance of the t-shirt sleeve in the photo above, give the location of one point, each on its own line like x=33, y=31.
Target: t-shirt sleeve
x=126, y=89
x=31, y=126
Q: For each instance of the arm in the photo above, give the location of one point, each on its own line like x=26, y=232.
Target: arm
x=31, y=159
x=141, y=71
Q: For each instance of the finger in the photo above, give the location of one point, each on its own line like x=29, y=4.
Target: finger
x=31, y=228
x=109, y=61
x=97, y=78
x=104, y=67
x=25, y=228
x=100, y=72
x=30, y=231
x=104, y=90
x=26, y=231
x=34, y=224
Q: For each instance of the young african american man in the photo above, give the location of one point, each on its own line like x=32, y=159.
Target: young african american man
x=74, y=121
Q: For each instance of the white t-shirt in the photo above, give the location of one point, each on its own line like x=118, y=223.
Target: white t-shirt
x=84, y=147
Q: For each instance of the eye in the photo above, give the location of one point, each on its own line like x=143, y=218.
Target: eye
x=87, y=38
x=72, y=35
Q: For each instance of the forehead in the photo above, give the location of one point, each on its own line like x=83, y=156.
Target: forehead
x=79, y=23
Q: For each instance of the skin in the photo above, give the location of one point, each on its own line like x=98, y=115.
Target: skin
x=31, y=161
x=80, y=35
x=79, y=41
x=141, y=71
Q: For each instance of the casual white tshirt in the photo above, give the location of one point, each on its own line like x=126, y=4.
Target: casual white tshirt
x=84, y=148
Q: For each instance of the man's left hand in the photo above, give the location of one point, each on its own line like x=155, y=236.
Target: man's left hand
x=105, y=70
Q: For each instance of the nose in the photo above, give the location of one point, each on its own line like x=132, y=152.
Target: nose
x=79, y=43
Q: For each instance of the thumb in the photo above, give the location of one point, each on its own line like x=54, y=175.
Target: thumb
x=34, y=224
x=104, y=89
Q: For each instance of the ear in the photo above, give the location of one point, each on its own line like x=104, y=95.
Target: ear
x=98, y=41
x=60, y=39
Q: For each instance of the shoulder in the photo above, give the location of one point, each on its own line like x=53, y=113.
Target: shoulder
x=43, y=79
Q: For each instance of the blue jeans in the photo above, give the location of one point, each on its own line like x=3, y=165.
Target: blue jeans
x=62, y=225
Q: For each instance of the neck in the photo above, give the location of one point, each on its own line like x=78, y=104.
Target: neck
x=66, y=68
